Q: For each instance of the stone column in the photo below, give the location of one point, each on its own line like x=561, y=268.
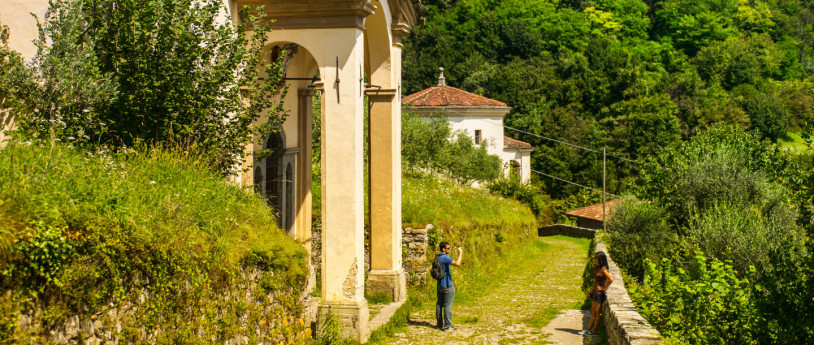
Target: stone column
x=386, y=273
x=305, y=115
x=343, y=183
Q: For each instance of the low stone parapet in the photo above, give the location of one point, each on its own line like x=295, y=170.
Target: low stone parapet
x=623, y=323
x=566, y=230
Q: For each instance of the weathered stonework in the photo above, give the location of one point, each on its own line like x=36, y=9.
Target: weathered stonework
x=414, y=252
x=349, y=287
x=118, y=323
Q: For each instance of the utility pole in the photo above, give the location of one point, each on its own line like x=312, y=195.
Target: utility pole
x=604, y=159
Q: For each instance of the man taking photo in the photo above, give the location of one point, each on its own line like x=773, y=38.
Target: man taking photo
x=445, y=289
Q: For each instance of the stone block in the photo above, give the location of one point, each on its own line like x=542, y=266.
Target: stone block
x=353, y=319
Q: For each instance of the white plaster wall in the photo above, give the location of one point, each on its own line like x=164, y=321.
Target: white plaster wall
x=491, y=130
x=23, y=26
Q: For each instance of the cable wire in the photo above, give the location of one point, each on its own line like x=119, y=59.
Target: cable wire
x=573, y=183
x=567, y=143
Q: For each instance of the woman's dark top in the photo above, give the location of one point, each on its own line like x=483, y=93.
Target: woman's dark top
x=600, y=279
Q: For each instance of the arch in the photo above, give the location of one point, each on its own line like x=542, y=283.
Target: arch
x=298, y=60
x=378, y=42
x=515, y=169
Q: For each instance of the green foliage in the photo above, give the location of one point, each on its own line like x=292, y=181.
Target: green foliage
x=747, y=234
x=526, y=193
x=637, y=231
x=603, y=73
x=432, y=145
x=709, y=304
x=93, y=228
x=120, y=73
x=428, y=199
x=13, y=76
x=734, y=197
x=723, y=163
x=768, y=113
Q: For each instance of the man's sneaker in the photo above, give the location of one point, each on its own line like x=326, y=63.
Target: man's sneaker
x=450, y=329
x=584, y=332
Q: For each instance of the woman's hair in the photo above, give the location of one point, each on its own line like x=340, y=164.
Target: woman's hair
x=603, y=260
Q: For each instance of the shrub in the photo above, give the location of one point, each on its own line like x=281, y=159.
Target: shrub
x=746, y=235
x=527, y=193
x=120, y=72
x=707, y=305
x=722, y=163
x=638, y=230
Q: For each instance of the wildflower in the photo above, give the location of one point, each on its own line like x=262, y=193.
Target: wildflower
x=70, y=201
x=152, y=182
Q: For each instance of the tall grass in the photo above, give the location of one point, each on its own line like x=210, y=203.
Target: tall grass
x=427, y=199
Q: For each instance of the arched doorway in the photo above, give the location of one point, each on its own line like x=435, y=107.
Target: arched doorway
x=275, y=146
x=515, y=172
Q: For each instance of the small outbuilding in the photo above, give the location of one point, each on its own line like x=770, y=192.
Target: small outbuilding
x=591, y=217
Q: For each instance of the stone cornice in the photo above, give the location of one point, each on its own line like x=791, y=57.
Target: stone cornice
x=310, y=14
x=460, y=111
x=406, y=14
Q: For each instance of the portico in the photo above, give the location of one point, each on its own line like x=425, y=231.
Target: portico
x=347, y=42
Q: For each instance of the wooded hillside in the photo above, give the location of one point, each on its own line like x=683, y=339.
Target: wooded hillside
x=632, y=75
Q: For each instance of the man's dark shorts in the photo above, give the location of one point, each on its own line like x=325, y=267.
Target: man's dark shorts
x=599, y=297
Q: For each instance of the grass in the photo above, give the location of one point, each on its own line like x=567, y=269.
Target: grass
x=485, y=291
x=427, y=199
x=83, y=229
x=794, y=142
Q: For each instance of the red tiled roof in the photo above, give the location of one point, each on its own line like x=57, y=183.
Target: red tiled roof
x=448, y=96
x=510, y=143
x=594, y=211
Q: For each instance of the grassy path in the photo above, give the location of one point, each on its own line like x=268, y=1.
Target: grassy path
x=538, y=280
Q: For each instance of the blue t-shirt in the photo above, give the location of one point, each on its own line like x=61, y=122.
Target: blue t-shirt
x=447, y=280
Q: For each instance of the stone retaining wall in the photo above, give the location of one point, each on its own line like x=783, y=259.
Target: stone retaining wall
x=414, y=254
x=567, y=230
x=623, y=323
x=118, y=323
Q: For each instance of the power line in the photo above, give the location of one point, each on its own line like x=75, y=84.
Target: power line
x=573, y=183
x=567, y=143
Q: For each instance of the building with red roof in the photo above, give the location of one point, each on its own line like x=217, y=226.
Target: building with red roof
x=592, y=216
x=480, y=117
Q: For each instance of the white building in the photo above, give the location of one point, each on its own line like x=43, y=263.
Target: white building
x=478, y=116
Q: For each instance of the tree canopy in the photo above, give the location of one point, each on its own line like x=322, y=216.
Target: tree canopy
x=632, y=75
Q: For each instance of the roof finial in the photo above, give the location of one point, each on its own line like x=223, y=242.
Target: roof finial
x=441, y=80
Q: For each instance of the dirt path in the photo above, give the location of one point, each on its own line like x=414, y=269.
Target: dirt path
x=515, y=310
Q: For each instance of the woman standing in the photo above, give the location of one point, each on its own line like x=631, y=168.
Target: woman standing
x=602, y=279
